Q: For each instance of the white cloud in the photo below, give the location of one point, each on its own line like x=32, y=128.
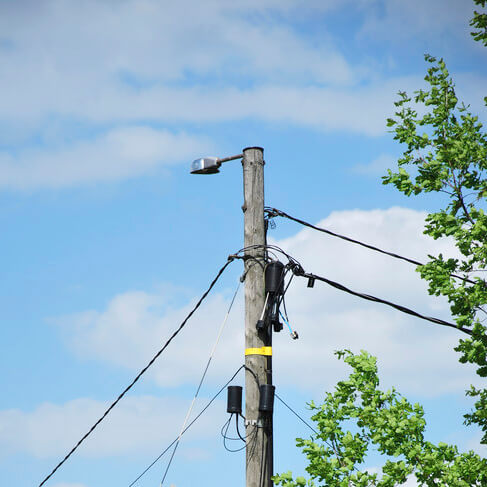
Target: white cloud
x=160, y=41
x=145, y=59
x=361, y=110
x=137, y=425
x=414, y=355
x=92, y=56
x=330, y=319
x=142, y=61
x=475, y=445
x=378, y=166
x=119, y=154
x=136, y=324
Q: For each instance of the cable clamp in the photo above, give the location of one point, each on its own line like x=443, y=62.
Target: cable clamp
x=254, y=422
x=298, y=270
x=259, y=351
x=272, y=212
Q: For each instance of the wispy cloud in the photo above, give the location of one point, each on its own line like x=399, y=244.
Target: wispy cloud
x=147, y=59
x=145, y=63
x=138, y=424
x=116, y=155
x=377, y=167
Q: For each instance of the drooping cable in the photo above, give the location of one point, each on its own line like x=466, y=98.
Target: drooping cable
x=238, y=431
x=139, y=375
x=210, y=402
x=253, y=435
x=273, y=212
x=263, y=461
x=224, y=433
x=399, y=307
x=210, y=358
x=240, y=438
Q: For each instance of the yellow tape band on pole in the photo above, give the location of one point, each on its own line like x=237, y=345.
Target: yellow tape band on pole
x=259, y=351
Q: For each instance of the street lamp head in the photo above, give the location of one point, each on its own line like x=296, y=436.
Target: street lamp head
x=205, y=165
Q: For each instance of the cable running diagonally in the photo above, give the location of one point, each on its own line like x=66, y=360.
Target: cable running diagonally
x=190, y=409
x=210, y=402
x=295, y=413
x=368, y=297
x=309, y=426
x=139, y=375
x=273, y=212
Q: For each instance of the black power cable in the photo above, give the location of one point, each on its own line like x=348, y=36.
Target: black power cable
x=224, y=434
x=273, y=212
x=139, y=375
x=368, y=297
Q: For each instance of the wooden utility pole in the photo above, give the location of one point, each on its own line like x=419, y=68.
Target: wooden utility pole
x=258, y=351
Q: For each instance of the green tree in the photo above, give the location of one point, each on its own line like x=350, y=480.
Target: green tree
x=446, y=153
x=358, y=417
x=479, y=22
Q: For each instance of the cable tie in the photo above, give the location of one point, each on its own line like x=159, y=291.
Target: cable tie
x=267, y=351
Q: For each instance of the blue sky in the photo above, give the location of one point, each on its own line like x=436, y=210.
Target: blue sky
x=107, y=240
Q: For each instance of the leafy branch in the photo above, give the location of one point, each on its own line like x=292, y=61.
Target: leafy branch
x=358, y=416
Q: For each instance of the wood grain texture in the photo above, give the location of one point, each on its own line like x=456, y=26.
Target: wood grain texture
x=259, y=442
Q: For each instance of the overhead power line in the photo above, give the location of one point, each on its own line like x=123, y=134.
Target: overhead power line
x=139, y=375
x=368, y=297
x=273, y=212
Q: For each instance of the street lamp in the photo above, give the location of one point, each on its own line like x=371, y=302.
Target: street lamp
x=258, y=343
x=210, y=165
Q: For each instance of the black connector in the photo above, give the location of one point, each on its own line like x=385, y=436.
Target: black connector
x=277, y=325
